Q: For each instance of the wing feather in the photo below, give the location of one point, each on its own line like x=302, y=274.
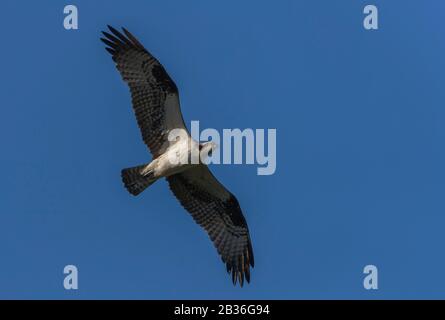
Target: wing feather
x=217, y=210
x=155, y=97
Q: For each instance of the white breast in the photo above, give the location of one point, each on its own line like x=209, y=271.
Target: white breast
x=175, y=159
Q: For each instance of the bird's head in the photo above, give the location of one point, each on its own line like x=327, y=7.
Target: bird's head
x=206, y=149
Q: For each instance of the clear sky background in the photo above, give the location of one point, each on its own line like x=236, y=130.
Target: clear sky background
x=360, y=153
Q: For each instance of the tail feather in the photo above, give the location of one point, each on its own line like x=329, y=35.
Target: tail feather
x=134, y=181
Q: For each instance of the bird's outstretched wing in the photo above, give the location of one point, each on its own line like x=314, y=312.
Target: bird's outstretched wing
x=154, y=95
x=217, y=210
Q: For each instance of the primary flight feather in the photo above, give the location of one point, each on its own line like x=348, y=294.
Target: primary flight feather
x=155, y=101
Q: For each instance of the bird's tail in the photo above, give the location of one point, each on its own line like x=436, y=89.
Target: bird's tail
x=134, y=181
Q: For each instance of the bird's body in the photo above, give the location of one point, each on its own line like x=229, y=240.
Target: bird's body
x=168, y=163
x=175, y=159
x=155, y=102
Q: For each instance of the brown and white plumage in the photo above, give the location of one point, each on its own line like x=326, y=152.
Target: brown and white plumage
x=154, y=95
x=217, y=210
x=155, y=102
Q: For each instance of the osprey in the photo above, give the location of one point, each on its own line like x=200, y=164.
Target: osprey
x=155, y=100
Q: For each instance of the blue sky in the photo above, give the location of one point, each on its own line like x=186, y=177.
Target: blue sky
x=360, y=155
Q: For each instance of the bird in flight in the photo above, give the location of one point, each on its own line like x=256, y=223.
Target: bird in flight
x=155, y=100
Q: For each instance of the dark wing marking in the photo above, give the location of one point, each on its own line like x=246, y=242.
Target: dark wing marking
x=215, y=209
x=154, y=95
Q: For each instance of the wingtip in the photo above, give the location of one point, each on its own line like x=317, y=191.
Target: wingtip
x=110, y=28
x=111, y=51
x=239, y=272
x=113, y=30
x=238, y=278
